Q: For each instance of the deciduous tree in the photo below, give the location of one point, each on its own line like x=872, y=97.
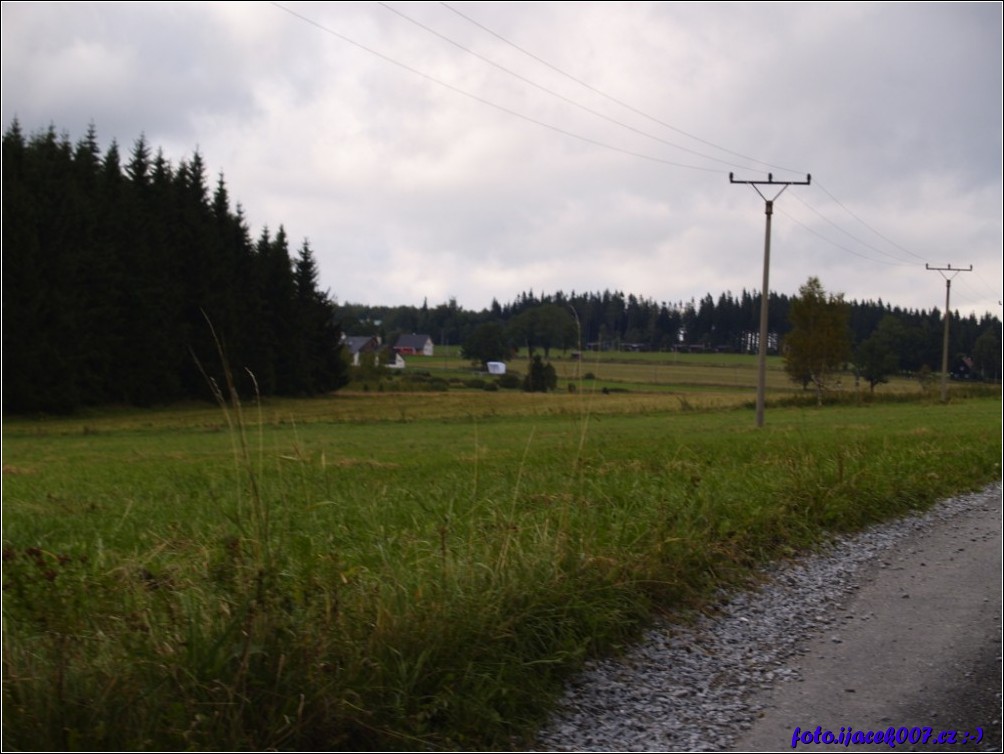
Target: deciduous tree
x=487, y=343
x=819, y=341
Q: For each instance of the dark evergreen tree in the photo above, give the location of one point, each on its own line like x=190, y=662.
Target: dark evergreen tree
x=40, y=330
x=541, y=377
x=114, y=278
x=323, y=367
x=987, y=354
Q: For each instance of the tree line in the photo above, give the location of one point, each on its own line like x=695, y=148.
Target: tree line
x=611, y=320
x=122, y=281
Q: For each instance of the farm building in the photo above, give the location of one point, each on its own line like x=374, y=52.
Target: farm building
x=360, y=344
x=414, y=345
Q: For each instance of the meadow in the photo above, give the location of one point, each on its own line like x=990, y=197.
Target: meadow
x=401, y=566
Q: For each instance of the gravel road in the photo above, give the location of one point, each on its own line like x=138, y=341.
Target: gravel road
x=897, y=626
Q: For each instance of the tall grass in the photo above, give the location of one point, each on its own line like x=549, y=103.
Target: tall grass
x=408, y=585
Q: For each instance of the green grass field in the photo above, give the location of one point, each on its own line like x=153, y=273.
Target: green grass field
x=664, y=371
x=397, y=569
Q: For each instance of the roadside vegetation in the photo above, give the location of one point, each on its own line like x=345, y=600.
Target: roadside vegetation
x=389, y=569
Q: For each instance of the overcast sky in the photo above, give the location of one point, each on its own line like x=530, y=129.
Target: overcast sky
x=474, y=151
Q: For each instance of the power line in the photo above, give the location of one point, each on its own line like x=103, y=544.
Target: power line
x=847, y=232
x=553, y=93
x=489, y=103
x=833, y=243
x=975, y=295
x=610, y=97
x=884, y=238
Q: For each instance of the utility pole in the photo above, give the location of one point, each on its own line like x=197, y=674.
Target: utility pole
x=948, y=314
x=761, y=388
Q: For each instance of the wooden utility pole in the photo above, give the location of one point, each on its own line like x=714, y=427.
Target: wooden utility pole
x=948, y=315
x=761, y=388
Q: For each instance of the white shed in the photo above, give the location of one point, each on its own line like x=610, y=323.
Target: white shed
x=496, y=367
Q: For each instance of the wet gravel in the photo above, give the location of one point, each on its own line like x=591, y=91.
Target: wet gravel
x=695, y=687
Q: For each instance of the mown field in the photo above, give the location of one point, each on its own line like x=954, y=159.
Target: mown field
x=394, y=568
